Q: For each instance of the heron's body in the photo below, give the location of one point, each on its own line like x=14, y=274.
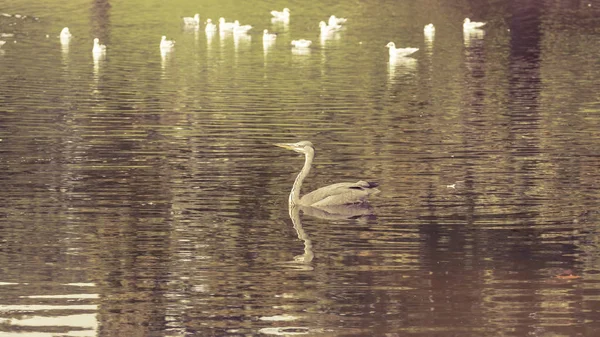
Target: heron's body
x=332, y=195
x=339, y=194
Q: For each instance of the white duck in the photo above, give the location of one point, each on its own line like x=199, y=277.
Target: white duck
x=302, y=43
x=240, y=29
x=468, y=24
x=65, y=35
x=210, y=27
x=325, y=28
x=282, y=16
x=98, y=48
x=225, y=26
x=268, y=36
x=429, y=29
x=334, y=21
x=400, y=52
x=166, y=44
x=192, y=21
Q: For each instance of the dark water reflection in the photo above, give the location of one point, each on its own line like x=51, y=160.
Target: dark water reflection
x=142, y=196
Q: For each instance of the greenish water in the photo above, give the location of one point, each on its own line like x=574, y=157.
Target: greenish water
x=141, y=194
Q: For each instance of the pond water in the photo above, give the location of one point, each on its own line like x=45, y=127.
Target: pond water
x=141, y=193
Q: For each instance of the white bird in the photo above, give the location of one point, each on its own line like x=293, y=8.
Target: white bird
x=192, y=21
x=223, y=25
x=302, y=43
x=399, y=52
x=325, y=28
x=429, y=29
x=269, y=36
x=468, y=24
x=210, y=27
x=166, y=44
x=240, y=29
x=98, y=48
x=2, y=43
x=283, y=16
x=65, y=34
x=333, y=21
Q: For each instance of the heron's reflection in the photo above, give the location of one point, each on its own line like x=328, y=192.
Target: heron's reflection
x=308, y=255
x=337, y=212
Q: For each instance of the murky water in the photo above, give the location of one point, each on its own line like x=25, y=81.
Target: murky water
x=141, y=194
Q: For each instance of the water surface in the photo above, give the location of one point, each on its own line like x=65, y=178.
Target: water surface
x=141, y=194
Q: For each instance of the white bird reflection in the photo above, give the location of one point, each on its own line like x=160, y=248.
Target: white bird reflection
x=210, y=34
x=165, y=55
x=281, y=26
x=241, y=39
x=267, y=44
x=329, y=36
x=98, y=58
x=471, y=36
x=300, y=51
x=429, y=33
x=64, y=49
x=400, y=65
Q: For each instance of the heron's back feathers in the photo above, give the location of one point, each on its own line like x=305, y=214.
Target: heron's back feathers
x=340, y=194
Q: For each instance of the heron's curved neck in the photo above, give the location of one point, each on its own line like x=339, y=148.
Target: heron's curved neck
x=295, y=193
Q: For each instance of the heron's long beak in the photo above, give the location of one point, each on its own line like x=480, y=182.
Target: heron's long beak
x=285, y=145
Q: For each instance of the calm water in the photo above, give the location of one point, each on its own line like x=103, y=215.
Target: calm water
x=141, y=194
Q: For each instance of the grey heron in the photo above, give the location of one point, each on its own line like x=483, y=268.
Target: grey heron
x=328, y=196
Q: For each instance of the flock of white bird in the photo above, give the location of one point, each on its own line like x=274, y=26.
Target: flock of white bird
x=333, y=25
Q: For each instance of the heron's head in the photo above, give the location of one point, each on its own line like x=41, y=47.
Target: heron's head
x=303, y=147
x=391, y=45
